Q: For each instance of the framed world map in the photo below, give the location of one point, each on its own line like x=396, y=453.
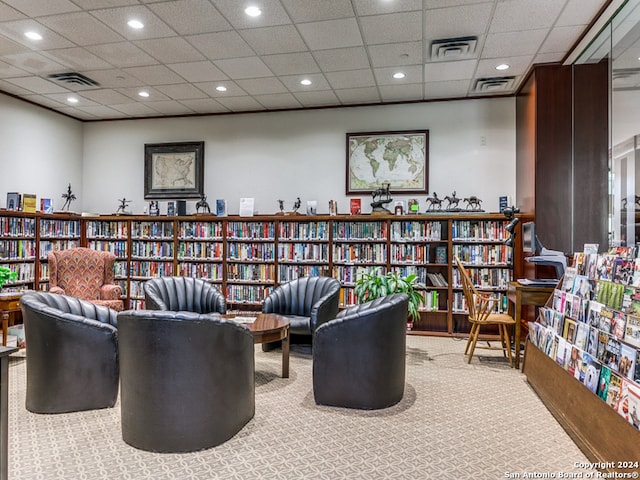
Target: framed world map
x=173, y=170
x=399, y=158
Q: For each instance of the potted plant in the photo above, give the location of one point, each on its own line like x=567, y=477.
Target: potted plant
x=6, y=275
x=372, y=285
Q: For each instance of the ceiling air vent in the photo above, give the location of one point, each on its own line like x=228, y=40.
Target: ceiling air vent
x=493, y=84
x=453, y=48
x=73, y=78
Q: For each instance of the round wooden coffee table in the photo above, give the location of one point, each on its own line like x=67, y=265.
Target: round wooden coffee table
x=267, y=328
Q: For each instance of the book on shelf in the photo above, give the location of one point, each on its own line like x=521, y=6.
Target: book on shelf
x=171, y=209
x=312, y=207
x=29, y=202
x=246, y=207
x=413, y=206
x=614, y=390
x=46, y=205
x=355, y=206
x=333, y=208
x=221, y=207
x=399, y=208
x=154, y=208
x=627, y=363
x=591, y=372
x=437, y=279
x=14, y=201
x=441, y=254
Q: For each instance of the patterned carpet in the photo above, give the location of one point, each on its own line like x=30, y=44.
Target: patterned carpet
x=456, y=421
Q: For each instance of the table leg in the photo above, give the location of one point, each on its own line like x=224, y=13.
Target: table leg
x=516, y=341
x=285, y=355
x=5, y=328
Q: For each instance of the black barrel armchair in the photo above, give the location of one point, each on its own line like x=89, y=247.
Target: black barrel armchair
x=183, y=294
x=73, y=353
x=187, y=380
x=307, y=302
x=359, y=358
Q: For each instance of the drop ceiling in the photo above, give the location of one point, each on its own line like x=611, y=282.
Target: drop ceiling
x=348, y=49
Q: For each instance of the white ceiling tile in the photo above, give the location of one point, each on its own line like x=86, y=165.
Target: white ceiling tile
x=37, y=85
x=113, y=78
x=8, y=13
x=299, y=10
x=239, y=104
x=440, y=71
x=122, y=54
x=331, y=34
x=367, y=7
x=38, y=8
x=101, y=112
x=44, y=100
x=181, y=92
x=76, y=113
x=401, y=93
x=513, y=44
x=262, y=86
x=457, y=21
x=170, y=50
x=351, y=79
x=105, y=96
x=15, y=30
x=117, y=19
x=433, y=4
x=77, y=58
x=8, y=47
x=206, y=105
x=384, y=75
x=517, y=66
x=248, y=67
x=135, y=109
x=33, y=62
x=548, y=57
x=342, y=59
x=278, y=101
x=219, y=45
x=154, y=74
x=189, y=17
x=93, y=4
x=579, y=12
x=10, y=70
x=559, y=38
x=318, y=82
x=351, y=96
x=170, y=107
x=520, y=15
x=271, y=40
x=9, y=87
x=393, y=54
x=317, y=99
x=155, y=95
x=198, y=71
x=291, y=63
x=448, y=89
x=81, y=28
x=62, y=99
x=272, y=14
x=233, y=89
x=392, y=28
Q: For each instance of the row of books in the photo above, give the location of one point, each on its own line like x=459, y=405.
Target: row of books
x=26, y=202
x=482, y=230
x=436, y=279
x=254, y=294
x=286, y=273
x=47, y=246
x=200, y=230
x=50, y=227
x=17, y=227
x=117, y=247
x=17, y=249
x=410, y=252
x=304, y=230
x=151, y=249
x=200, y=251
x=251, y=230
x=621, y=392
x=251, y=251
x=360, y=230
x=106, y=229
x=431, y=300
x=210, y=271
x=296, y=252
x=416, y=231
x=360, y=253
x=459, y=303
x=150, y=269
x=350, y=273
x=484, y=278
x=153, y=230
x=251, y=272
x=25, y=272
x=484, y=254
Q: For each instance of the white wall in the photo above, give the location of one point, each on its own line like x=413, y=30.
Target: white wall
x=41, y=152
x=283, y=155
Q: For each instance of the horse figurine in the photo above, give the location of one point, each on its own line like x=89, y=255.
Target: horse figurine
x=433, y=202
x=452, y=202
x=473, y=203
x=381, y=197
x=202, y=204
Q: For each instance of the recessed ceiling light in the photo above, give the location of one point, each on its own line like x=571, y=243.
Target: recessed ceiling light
x=137, y=24
x=399, y=75
x=221, y=88
x=503, y=66
x=253, y=11
x=305, y=82
x=33, y=35
x=143, y=93
x=72, y=100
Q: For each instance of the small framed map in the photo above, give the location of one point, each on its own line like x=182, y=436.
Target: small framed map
x=399, y=158
x=173, y=170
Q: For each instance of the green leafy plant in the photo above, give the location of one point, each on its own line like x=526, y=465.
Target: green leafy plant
x=370, y=286
x=6, y=275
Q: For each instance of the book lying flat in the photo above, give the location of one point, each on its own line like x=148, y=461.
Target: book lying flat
x=538, y=282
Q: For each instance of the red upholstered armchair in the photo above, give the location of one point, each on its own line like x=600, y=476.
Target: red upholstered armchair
x=86, y=274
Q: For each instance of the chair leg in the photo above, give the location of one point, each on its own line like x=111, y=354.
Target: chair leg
x=471, y=333
x=473, y=343
x=508, y=344
x=503, y=343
